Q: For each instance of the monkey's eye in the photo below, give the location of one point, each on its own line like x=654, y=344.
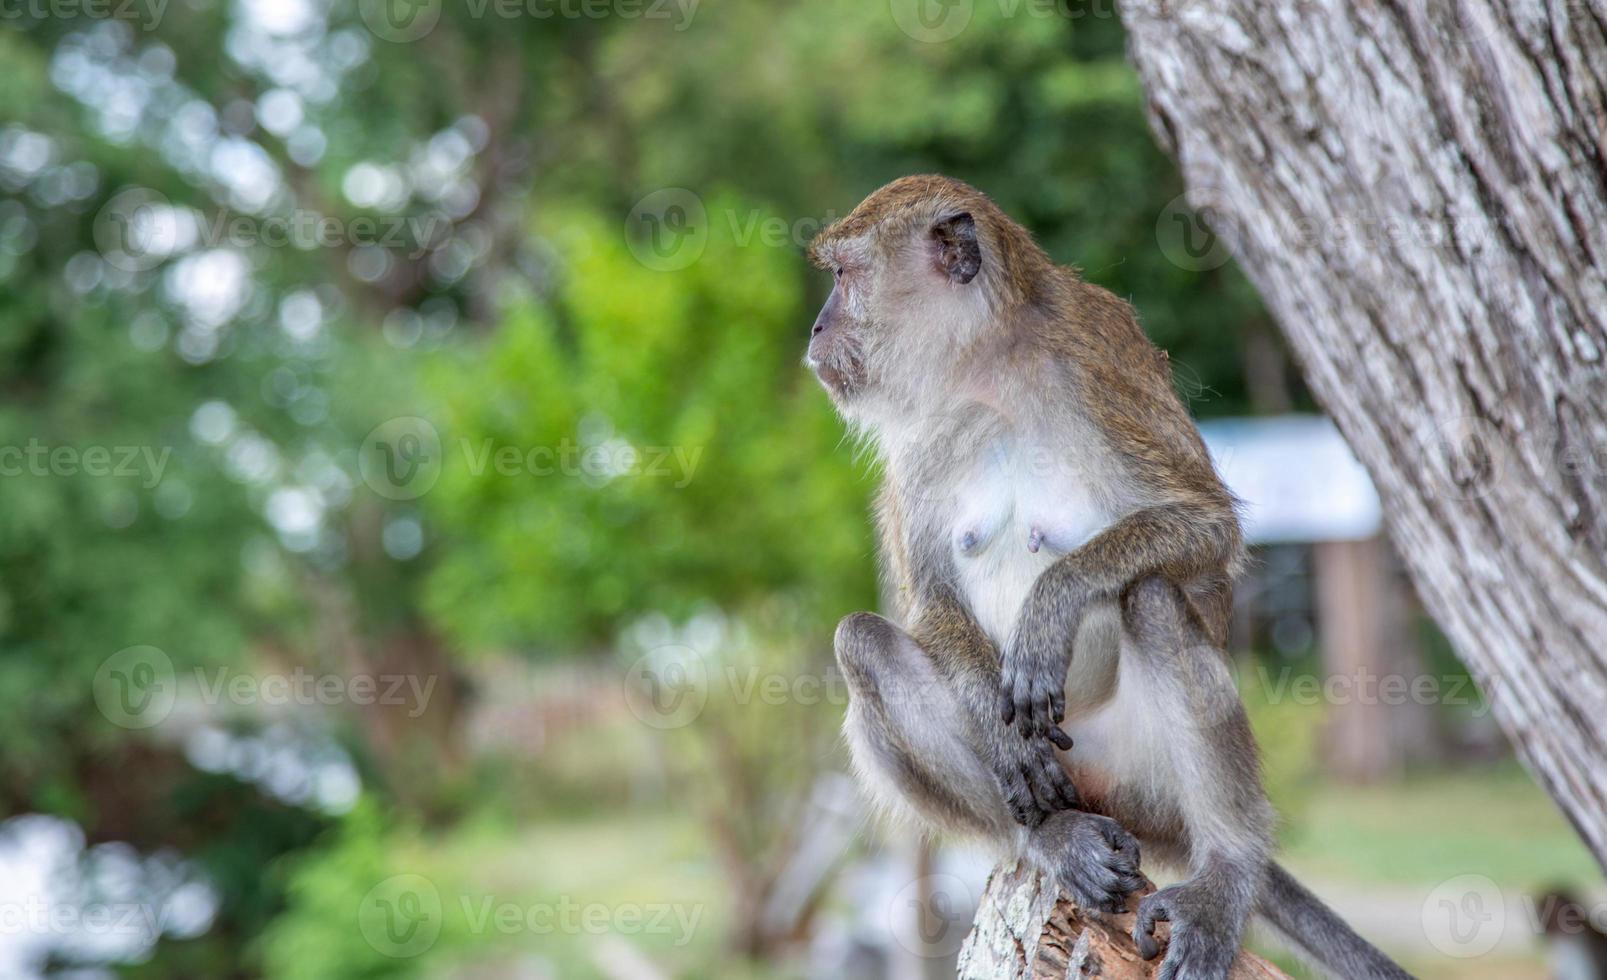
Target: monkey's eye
x=839, y=272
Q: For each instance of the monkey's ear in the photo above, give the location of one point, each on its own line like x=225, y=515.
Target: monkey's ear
x=958, y=255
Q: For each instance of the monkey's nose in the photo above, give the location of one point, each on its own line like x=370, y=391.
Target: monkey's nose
x=815, y=330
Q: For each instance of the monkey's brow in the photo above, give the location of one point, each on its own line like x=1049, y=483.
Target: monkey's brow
x=831, y=248
x=823, y=250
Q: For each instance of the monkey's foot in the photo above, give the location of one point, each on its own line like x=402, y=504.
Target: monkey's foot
x=1091, y=857
x=1204, y=941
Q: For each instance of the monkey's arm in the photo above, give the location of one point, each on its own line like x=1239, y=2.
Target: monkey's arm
x=1183, y=543
x=1034, y=782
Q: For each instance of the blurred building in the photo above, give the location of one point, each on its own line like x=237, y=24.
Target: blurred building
x=1326, y=577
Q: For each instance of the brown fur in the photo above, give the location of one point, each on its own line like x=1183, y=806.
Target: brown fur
x=952, y=342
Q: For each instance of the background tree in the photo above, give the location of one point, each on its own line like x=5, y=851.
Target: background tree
x=1419, y=191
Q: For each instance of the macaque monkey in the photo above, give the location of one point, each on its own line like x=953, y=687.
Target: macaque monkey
x=1058, y=553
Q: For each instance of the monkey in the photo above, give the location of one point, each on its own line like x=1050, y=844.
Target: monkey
x=1057, y=552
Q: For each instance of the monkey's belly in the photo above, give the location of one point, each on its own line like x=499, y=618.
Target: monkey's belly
x=1123, y=754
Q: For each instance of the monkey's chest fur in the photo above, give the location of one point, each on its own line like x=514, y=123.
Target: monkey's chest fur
x=1010, y=514
x=1011, y=517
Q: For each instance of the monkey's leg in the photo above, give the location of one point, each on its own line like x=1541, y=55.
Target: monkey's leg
x=1216, y=786
x=915, y=732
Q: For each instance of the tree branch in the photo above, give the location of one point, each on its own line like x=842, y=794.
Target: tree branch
x=1024, y=930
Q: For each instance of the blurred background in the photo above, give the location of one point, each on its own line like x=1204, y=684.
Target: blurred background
x=420, y=543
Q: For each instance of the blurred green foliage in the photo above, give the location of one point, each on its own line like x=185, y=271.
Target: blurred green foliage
x=732, y=491
x=527, y=321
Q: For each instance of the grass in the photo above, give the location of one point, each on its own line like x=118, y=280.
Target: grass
x=1435, y=826
x=1388, y=844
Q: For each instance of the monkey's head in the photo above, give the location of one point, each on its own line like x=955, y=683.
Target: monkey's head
x=920, y=269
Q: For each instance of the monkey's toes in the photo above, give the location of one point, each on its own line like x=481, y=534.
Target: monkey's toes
x=1200, y=948
x=1195, y=955
x=1095, y=859
x=1151, y=909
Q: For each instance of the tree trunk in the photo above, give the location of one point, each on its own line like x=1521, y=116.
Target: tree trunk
x=1023, y=932
x=1417, y=188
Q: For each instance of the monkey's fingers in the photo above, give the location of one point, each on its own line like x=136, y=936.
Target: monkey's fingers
x=1043, y=793
x=1020, y=711
x=1023, y=808
x=1070, y=799
x=1058, y=736
x=1037, y=718
x=1150, y=911
x=1050, y=784
x=1007, y=688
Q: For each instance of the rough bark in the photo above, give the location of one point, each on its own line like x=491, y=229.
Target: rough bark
x=1023, y=932
x=1417, y=189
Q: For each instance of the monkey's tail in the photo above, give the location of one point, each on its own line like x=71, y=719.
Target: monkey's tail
x=1312, y=928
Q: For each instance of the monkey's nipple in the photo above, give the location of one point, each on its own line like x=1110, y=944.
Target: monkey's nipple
x=968, y=542
x=1035, y=540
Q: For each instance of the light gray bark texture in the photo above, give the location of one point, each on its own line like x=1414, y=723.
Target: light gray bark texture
x=1417, y=188
x=1024, y=932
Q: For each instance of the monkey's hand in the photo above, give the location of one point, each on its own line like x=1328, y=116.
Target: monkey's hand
x=1034, y=782
x=1205, y=937
x=1033, y=683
